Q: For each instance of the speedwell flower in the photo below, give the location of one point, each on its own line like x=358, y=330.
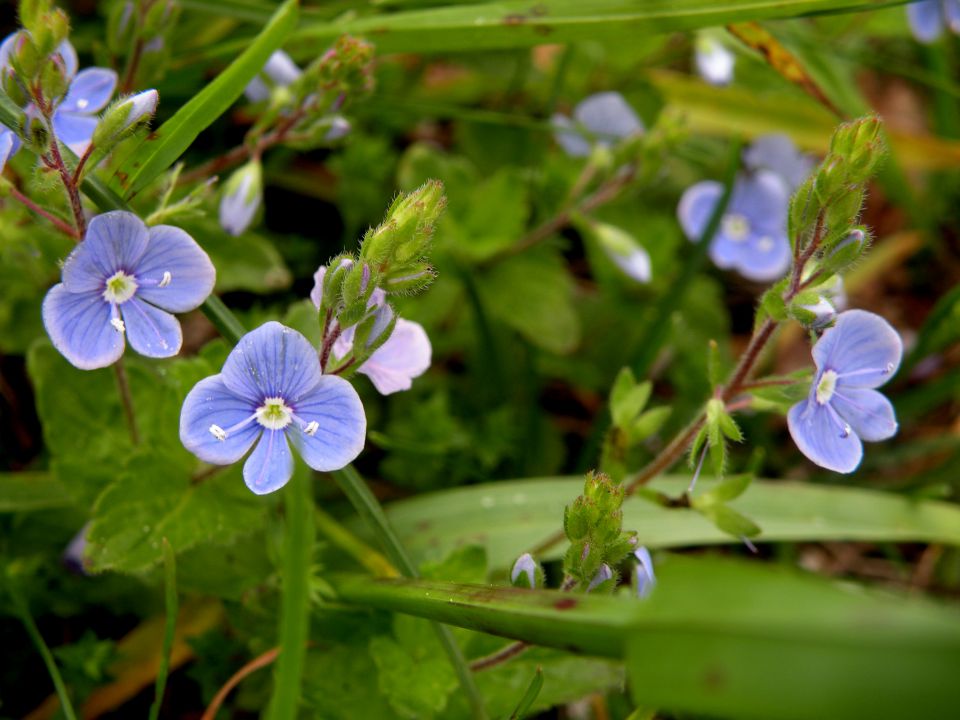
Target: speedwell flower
x=927, y=18
x=124, y=280
x=242, y=195
x=89, y=91
x=859, y=353
x=752, y=237
x=271, y=394
x=602, y=119
x=404, y=356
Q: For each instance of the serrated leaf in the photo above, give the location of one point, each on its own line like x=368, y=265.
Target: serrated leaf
x=533, y=294
x=165, y=145
x=155, y=499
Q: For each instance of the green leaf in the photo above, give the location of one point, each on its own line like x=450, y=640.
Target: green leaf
x=157, y=499
x=517, y=23
x=533, y=294
x=414, y=674
x=477, y=233
x=728, y=521
x=725, y=490
x=940, y=329
x=341, y=684
x=695, y=645
x=26, y=491
x=627, y=402
x=510, y=516
x=164, y=146
x=248, y=262
x=649, y=423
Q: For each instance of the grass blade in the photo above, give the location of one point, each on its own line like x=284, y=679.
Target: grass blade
x=170, y=627
x=163, y=147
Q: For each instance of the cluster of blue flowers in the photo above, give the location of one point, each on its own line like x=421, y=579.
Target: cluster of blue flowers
x=928, y=18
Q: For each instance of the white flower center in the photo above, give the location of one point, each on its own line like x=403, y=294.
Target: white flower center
x=765, y=244
x=120, y=287
x=826, y=387
x=82, y=104
x=274, y=414
x=736, y=227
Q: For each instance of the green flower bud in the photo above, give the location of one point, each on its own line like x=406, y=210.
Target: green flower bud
x=409, y=279
x=124, y=117
x=13, y=87
x=25, y=57
x=53, y=78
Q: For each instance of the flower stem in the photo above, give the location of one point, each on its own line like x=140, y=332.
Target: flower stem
x=59, y=223
x=295, y=605
x=224, y=320
x=126, y=398
x=339, y=536
x=369, y=509
x=69, y=185
x=23, y=612
x=258, y=662
x=170, y=595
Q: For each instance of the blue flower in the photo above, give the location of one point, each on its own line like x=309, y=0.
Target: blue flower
x=404, y=356
x=602, y=119
x=777, y=153
x=714, y=61
x=927, y=18
x=271, y=394
x=646, y=580
x=752, y=237
x=125, y=280
x=9, y=144
x=858, y=354
x=89, y=91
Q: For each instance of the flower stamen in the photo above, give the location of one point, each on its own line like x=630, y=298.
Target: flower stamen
x=118, y=325
x=120, y=287
x=311, y=428
x=167, y=278
x=218, y=432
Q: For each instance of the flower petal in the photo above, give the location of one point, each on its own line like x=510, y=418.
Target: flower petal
x=69, y=56
x=8, y=146
x=151, y=331
x=572, y=142
x=281, y=68
x=697, y=205
x=862, y=348
x=608, y=117
x=821, y=439
x=73, y=130
x=404, y=356
x=114, y=241
x=765, y=257
x=951, y=13
x=763, y=199
x=272, y=361
x=926, y=20
x=777, y=153
x=868, y=412
x=79, y=327
x=270, y=465
x=342, y=425
x=192, y=275
x=90, y=91
x=210, y=403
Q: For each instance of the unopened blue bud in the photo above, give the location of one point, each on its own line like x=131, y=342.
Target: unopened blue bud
x=646, y=580
x=603, y=575
x=241, y=199
x=524, y=566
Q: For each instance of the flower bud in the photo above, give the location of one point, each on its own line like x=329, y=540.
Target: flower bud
x=526, y=572
x=36, y=134
x=13, y=87
x=603, y=576
x=409, y=279
x=25, y=56
x=626, y=253
x=405, y=234
x=31, y=13
x=241, y=199
x=53, y=78
x=822, y=314
x=646, y=580
x=339, y=128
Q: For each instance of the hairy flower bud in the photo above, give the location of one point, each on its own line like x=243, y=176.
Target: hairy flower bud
x=526, y=572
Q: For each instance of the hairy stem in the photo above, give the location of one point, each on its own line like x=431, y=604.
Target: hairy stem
x=61, y=225
x=69, y=185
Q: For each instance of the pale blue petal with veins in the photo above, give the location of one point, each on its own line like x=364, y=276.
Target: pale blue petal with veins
x=858, y=354
x=269, y=396
x=121, y=281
